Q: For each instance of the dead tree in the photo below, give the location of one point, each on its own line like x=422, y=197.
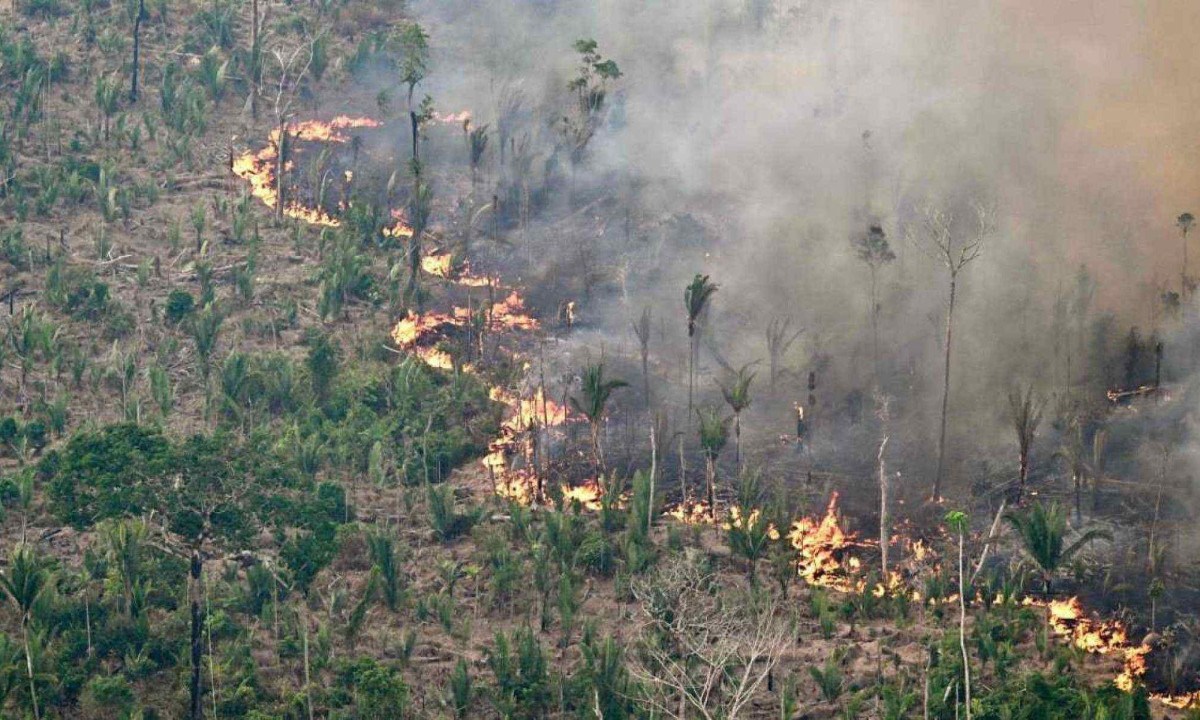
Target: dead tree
x=704, y=651
x=779, y=341
x=285, y=96
x=938, y=236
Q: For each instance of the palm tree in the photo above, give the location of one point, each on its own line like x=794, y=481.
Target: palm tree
x=1043, y=532
x=737, y=397
x=714, y=434
x=1184, y=222
x=1025, y=414
x=27, y=578
x=593, y=403
x=695, y=300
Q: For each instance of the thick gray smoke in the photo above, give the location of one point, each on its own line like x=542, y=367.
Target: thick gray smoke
x=752, y=139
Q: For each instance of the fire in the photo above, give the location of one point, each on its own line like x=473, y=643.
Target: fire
x=821, y=545
x=587, y=495
x=258, y=168
x=739, y=519
x=453, y=118
x=401, y=228
x=697, y=513
x=437, y=264
x=1106, y=637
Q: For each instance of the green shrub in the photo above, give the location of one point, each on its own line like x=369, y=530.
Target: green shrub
x=180, y=304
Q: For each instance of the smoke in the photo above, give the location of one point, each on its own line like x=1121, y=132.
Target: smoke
x=752, y=140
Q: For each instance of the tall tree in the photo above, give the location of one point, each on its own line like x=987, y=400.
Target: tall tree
x=954, y=249
x=737, y=396
x=873, y=250
x=1025, y=414
x=695, y=299
x=592, y=403
x=714, y=435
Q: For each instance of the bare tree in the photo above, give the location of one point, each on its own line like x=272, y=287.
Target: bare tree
x=290, y=76
x=779, y=341
x=705, y=651
x=138, y=11
x=938, y=236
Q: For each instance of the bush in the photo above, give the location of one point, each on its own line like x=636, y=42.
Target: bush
x=180, y=304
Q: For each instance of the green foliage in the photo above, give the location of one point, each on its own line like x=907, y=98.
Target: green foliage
x=180, y=305
x=522, y=682
x=447, y=522
x=1043, y=531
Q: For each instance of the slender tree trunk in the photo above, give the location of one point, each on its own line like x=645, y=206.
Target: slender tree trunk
x=29, y=667
x=653, y=472
x=137, y=45
x=691, y=365
x=710, y=469
x=988, y=543
x=280, y=160
x=1022, y=473
x=737, y=441
x=941, y=462
x=254, y=59
x=307, y=664
x=962, y=623
x=885, y=519
x=196, y=711
x=646, y=376
x=874, y=326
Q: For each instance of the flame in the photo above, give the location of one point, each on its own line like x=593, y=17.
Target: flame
x=739, y=519
x=258, y=168
x=822, y=545
x=453, y=118
x=587, y=495
x=693, y=513
x=437, y=264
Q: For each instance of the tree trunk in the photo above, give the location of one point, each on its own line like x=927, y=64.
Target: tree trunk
x=941, y=462
x=884, y=517
x=646, y=376
x=653, y=472
x=737, y=441
x=29, y=667
x=874, y=326
x=195, y=708
x=1022, y=473
x=137, y=45
x=691, y=365
x=254, y=59
x=307, y=664
x=962, y=624
x=710, y=470
x=280, y=160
